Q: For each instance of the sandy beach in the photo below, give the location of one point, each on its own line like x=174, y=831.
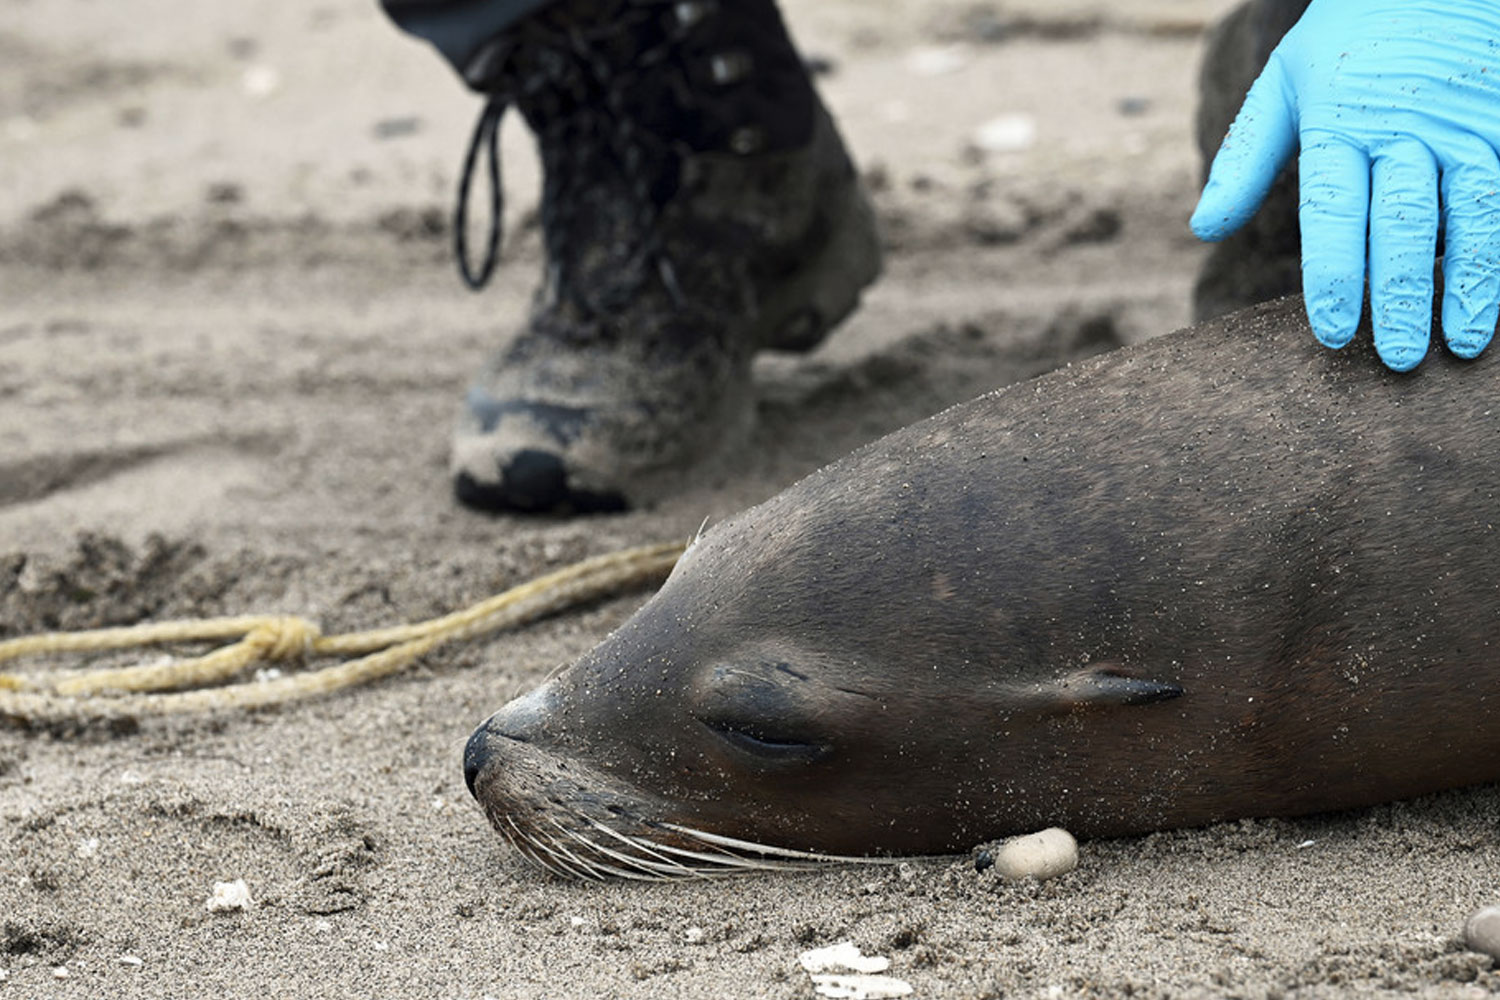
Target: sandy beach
x=232, y=344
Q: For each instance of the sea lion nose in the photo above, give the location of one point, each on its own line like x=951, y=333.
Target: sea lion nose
x=519, y=721
x=476, y=755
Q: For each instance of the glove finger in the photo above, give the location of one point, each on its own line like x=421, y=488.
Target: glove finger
x=1333, y=214
x=1403, y=246
x=1471, y=252
x=1258, y=144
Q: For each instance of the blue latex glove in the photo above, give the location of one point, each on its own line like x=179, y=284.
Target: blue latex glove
x=1393, y=102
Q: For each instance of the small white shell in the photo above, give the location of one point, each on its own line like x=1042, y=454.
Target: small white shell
x=1482, y=932
x=229, y=896
x=1043, y=855
x=1012, y=133
x=842, y=957
x=856, y=987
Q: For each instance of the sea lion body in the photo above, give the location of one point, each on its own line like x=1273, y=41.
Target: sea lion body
x=1225, y=573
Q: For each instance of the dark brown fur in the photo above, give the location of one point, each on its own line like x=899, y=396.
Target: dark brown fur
x=1225, y=573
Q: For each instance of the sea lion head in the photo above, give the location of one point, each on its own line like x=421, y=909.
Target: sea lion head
x=783, y=698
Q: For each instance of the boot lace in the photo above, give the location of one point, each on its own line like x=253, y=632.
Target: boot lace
x=597, y=120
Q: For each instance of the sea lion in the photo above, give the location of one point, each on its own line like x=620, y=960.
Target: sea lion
x=1224, y=573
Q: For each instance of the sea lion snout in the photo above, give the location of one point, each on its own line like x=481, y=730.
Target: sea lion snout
x=520, y=720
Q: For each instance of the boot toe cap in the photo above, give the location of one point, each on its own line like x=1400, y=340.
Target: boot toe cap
x=532, y=482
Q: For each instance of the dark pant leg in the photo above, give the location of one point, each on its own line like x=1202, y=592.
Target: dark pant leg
x=1264, y=259
x=1273, y=19
x=458, y=28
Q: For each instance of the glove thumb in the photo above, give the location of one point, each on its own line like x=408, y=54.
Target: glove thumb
x=1260, y=141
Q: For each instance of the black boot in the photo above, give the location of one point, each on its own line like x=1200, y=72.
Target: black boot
x=698, y=206
x=1264, y=259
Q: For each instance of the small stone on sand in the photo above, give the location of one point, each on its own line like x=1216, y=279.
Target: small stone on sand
x=1042, y=855
x=1482, y=932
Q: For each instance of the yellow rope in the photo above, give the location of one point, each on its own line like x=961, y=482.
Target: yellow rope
x=270, y=639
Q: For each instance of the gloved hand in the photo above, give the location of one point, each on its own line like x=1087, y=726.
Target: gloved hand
x=1393, y=102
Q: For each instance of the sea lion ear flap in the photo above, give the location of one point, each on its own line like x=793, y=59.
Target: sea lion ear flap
x=1105, y=684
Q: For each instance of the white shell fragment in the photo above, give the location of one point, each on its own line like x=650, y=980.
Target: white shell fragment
x=131, y=960
x=229, y=896
x=842, y=957
x=861, y=987
x=260, y=81
x=1482, y=932
x=840, y=970
x=1012, y=133
x=937, y=60
x=1043, y=855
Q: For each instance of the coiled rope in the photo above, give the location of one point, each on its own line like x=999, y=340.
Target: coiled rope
x=199, y=684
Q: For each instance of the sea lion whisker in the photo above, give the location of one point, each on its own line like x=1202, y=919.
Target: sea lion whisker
x=711, y=867
x=726, y=862
x=505, y=832
x=512, y=833
x=512, y=830
x=565, y=859
x=523, y=845
x=523, y=848
x=604, y=868
x=641, y=869
x=634, y=870
x=781, y=852
x=719, y=861
x=541, y=855
x=634, y=875
x=642, y=846
x=554, y=861
x=653, y=869
x=588, y=865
